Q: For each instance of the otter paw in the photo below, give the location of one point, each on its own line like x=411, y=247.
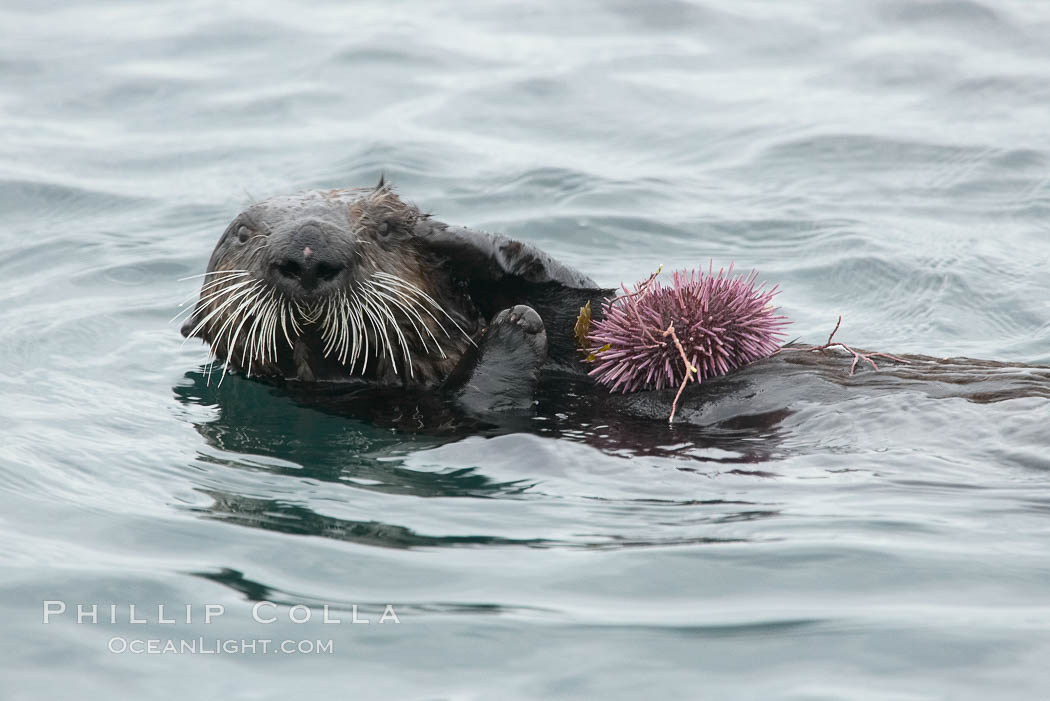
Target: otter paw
x=507, y=364
x=521, y=315
x=518, y=329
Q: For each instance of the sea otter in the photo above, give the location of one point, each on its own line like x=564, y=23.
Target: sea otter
x=361, y=287
x=355, y=293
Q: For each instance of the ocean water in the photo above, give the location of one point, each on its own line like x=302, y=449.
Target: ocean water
x=888, y=161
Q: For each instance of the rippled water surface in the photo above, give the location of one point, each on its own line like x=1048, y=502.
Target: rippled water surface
x=887, y=161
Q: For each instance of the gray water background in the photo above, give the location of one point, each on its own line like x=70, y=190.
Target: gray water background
x=887, y=161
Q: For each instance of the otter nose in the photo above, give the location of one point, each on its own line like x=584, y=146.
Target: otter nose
x=307, y=261
x=307, y=270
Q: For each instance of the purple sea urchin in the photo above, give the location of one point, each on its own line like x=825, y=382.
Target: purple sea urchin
x=704, y=325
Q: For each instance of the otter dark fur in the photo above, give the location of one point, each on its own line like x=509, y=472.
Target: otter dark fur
x=359, y=286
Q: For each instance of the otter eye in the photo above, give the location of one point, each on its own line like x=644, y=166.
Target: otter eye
x=243, y=234
x=383, y=229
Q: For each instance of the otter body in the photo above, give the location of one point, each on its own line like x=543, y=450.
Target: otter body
x=362, y=304
x=357, y=286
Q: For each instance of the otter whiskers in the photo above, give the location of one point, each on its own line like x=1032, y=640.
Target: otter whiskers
x=358, y=318
x=411, y=290
x=220, y=279
x=250, y=317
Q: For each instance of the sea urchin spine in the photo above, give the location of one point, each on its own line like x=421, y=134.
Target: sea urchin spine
x=657, y=337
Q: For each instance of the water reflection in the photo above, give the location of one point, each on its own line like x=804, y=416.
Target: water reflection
x=352, y=435
x=257, y=591
x=319, y=442
x=360, y=443
x=293, y=519
x=357, y=444
x=284, y=517
x=349, y=434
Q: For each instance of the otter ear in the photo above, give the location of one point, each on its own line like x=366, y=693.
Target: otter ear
x=382, y=180
x=478, y=256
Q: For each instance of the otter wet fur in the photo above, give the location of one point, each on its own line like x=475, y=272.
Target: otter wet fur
x=357, y=286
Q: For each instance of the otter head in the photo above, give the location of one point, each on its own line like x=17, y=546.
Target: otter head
x=332, y=285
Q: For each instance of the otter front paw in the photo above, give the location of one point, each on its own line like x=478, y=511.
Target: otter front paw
x=510, y=355
x=519, y=327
